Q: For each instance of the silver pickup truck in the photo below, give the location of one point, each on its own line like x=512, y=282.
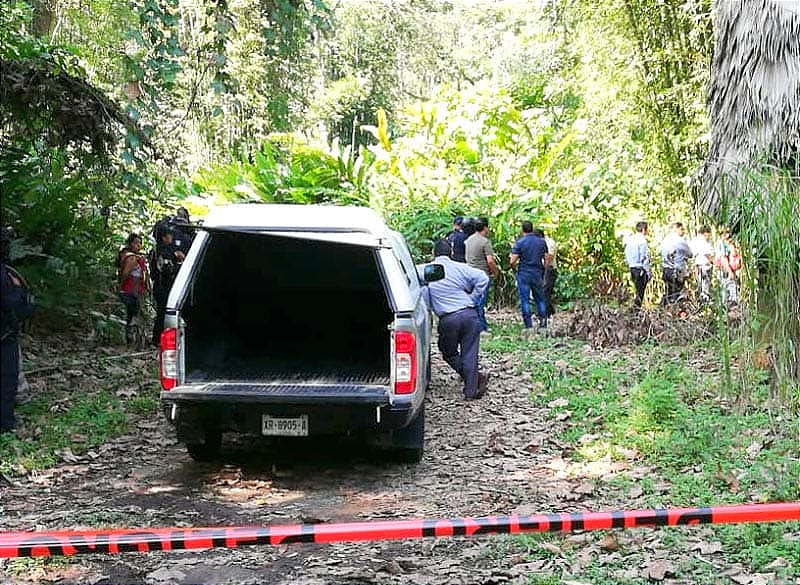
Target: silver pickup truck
x=290, y=320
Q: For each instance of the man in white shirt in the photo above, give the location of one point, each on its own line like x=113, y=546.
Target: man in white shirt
x=674, y=254
x=703, y=252
x=637, y=257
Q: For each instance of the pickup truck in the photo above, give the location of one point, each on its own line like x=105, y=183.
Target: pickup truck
x=297, y=320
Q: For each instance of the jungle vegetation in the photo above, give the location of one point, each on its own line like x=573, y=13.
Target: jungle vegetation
x=583, y=117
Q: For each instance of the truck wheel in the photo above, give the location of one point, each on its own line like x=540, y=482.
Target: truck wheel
x=409, y=442
x=208, y=449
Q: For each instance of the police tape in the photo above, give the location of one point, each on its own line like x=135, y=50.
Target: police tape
x=68, y=542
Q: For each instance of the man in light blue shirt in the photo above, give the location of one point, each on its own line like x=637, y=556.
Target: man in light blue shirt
x=454, y=300
x=637, y=257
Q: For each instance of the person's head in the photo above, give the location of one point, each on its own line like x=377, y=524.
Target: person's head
x=133, y=242
x=482, y=226
x=183, y=214
x=468, y=226
x=538, y=232
x=166, y=236
x=677, y=227
x=641, y=227
x=527, y=227
x=457, y=221
x=705, y=231
x=442, y=248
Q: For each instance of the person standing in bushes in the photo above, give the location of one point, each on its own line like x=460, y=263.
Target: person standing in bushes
x=16, y=307
x=637, y=257
x=165, y=260
x=454, y=300
x=133, y=281
x=703, y=253
x=674, y=254
x=729, y=263
x=480, y=255
x=550, y=270
x=457, y=237
x=530, y=251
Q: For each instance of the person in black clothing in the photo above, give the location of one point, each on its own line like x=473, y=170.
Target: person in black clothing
x=182, y=236
x=164, y=264
x=15, y=308
x=456, y=239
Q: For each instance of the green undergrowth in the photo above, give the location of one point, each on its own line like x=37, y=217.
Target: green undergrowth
x=56, y=426
x=661, y=421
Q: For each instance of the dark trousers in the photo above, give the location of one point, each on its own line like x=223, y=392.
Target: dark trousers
x=459, y=339
x=160, y=297
x=640, y=280
x=131, y=303
x=531, y=282
x=550, y=276
x=9, y=375
x=674, y=281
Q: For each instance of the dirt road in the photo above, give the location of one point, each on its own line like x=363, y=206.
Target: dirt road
x=482, y=457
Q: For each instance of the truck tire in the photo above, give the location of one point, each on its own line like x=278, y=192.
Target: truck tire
x=409, y=442
x=208, y=449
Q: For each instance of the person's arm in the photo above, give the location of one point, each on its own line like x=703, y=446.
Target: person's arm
x=492, y=265
x=480, y=282
x=128, y=266
x=644, y=256
x=513, y=258
x=548, y=259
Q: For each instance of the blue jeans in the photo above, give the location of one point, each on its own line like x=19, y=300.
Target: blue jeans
x=527, y=283
x=481, y=307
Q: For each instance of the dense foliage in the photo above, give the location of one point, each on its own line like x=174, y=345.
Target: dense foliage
x=583, y=117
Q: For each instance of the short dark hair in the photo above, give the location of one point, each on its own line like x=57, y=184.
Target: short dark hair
x=677, y=225
x=704, y=229
x=458, y=220
x=538, y=232
x=641, y=226
x=481, y=223
x=442, y=248
x=527, y=227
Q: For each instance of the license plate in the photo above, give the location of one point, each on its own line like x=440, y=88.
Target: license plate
x=284, y=427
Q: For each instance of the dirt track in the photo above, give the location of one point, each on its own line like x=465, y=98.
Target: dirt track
x=483, y=457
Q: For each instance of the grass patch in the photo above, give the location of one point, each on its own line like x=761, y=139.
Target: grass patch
x=78, y=422
x=665, y=407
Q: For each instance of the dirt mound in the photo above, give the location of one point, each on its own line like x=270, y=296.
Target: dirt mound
x=606, y=326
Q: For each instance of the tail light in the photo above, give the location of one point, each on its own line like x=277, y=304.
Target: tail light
x=168, y=359
x=405, y=362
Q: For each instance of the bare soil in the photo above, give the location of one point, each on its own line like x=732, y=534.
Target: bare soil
x=482, y=457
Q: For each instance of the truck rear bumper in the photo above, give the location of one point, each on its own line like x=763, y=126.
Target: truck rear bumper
x=241, y=408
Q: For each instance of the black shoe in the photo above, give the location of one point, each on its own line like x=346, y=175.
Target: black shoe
x=483, y=384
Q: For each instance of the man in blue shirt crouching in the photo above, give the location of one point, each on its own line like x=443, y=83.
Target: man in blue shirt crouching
x=454, y=300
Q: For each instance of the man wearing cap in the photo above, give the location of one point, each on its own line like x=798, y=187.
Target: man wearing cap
x=454, y=299
x=456, y=239
x=164, y=263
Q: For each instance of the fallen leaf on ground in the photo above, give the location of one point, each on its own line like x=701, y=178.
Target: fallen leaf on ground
x=657, y=570
x=609, y=543
x=551, y=548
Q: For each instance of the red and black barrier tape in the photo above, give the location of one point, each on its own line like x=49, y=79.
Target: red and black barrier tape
x=37, y=544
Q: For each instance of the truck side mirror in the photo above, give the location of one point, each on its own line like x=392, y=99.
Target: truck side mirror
x=433, y=272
